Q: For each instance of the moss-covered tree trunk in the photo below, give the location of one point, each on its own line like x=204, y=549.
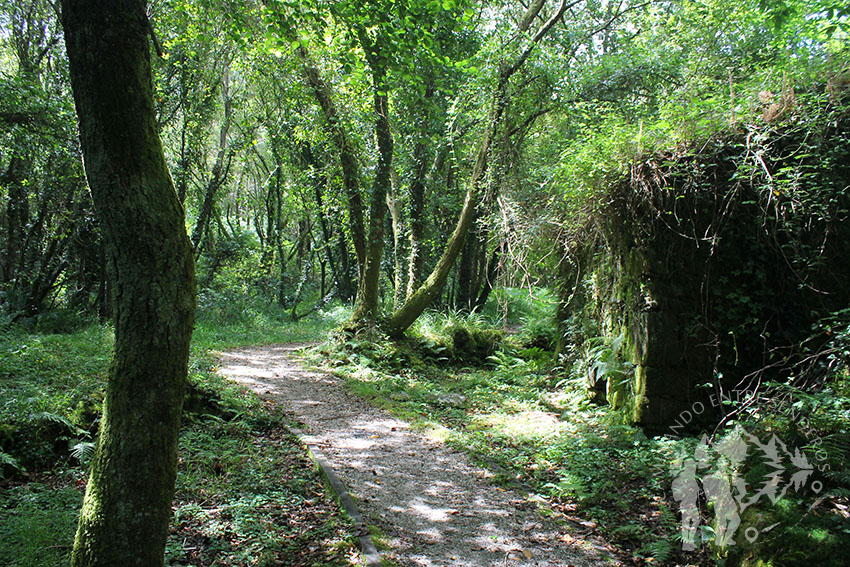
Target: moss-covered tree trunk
x=125, y=514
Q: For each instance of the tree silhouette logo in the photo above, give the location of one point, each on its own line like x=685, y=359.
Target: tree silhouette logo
x=715, y=472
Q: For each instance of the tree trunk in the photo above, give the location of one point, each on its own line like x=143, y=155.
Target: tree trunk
x=126, y=510
x=413, y=307
x=327, y=238
x=346, y=281
x=416, y=208
x=394, y=206
x=467, y=273
x=219, y=170
x=281, y=280
x=340, y=136
x=17, y=218
x=416, y=304
x=490, y=277
x=366, y=308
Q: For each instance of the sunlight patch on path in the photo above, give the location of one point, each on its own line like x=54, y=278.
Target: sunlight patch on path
x=432, y=503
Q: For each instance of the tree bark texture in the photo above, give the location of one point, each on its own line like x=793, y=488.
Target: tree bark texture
x=17, y=217
x=127, y=506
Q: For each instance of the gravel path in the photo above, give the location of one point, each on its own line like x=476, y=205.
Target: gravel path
x=436, y=508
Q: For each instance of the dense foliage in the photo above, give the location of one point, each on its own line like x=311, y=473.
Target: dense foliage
x=324, y=152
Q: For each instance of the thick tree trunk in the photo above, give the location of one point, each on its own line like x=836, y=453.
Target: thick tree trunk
x=416, y=255
x=126, y=510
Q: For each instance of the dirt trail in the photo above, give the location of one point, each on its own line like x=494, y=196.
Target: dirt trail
x=436, y=508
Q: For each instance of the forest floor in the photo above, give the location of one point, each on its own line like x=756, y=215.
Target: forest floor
x=425, y=502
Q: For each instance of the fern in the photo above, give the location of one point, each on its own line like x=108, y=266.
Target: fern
x=56, y=418
x=83, y=451
x=660, y=550
x=668, y=518
x=8, y=460
x=836, y=445
x=840, y=477
x=631, y=531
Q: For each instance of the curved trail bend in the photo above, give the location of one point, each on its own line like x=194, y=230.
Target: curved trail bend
x=436, y=508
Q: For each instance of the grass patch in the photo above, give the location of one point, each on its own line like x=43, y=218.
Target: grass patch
x=227, y=322
x=52, y=387
x=37, y=524
x=247, y=494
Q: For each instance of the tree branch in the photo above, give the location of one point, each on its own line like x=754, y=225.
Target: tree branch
x=542, y=31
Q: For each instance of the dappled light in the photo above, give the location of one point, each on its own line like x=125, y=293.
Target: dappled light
x=546, y=283
x=523, y=424
x=433, y=506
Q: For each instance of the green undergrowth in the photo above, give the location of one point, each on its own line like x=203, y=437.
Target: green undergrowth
x=533, y=425
x=513, y=412
x=225, y=321
x=246, y=492
x=805, y=430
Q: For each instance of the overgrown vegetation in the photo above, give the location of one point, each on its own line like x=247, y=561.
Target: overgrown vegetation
x=534, y=425
x=654, y=199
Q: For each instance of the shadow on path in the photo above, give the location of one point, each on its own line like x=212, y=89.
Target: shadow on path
x=434, y=505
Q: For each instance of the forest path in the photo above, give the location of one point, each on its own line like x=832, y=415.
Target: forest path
x=436, y=508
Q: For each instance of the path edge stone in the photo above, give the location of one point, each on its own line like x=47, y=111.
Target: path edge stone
x=371, y=558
